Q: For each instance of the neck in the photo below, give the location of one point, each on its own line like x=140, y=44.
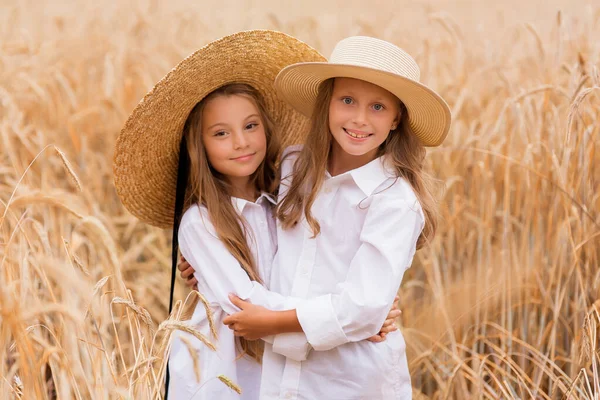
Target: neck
x=340, y=161
x=242, y=187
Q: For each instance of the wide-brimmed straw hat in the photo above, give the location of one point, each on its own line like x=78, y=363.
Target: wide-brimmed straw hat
x=147, y=149
x=378, y=62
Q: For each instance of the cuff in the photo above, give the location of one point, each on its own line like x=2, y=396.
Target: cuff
x=292, y=345
x=269, y=339
x=320, y=324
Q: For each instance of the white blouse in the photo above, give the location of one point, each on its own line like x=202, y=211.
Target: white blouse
x=349, y=274
x=218, y=274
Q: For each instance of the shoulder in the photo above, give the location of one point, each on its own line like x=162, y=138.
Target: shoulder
x=288, y=158
x=196, y=217
x=398, y=193
x=290, y=154
x=292, y=151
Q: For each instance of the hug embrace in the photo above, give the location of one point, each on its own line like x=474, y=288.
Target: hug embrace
x=296, y=190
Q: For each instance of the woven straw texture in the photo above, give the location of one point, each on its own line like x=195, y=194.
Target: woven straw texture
x=147, y=149
x=381, y=63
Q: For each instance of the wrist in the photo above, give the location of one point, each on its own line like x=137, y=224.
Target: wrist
x=275, y=322
x=284, y=322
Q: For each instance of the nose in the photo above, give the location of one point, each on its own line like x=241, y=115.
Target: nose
x=360, y=116
x=239, y=140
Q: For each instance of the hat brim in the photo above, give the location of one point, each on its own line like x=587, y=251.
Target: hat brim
x=147, y=149
x=428, y=114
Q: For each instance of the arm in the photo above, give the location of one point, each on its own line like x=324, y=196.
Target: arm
x=255, y=322
x=388, y=243
x=221, y=273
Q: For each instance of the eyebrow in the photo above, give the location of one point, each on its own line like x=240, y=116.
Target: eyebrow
x=215, y=125
x=222, y=124
x=348, y=92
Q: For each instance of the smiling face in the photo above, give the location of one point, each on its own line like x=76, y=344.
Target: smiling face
x=361, y=116
x=234, y=138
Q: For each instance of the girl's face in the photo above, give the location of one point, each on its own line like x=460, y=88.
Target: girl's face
x=234, y=136
x=361, y=116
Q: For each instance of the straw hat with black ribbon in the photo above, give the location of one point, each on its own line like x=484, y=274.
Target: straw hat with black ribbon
x=147, y=149
x=378, y=62
x=150, y=176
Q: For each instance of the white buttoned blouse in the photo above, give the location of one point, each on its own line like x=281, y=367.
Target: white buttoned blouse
x=348, y=275
x=218, y=274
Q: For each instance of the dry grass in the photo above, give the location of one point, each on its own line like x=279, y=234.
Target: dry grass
x=504, y=304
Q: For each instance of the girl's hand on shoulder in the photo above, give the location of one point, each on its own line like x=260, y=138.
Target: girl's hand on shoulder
x=187, y=273
x=389, y=323
x=252, y=322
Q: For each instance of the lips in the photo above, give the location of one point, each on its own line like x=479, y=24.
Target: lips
x=357, y=134
x=245, y=157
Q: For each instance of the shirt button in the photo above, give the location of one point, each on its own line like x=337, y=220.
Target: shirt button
x=288, y=395
x=328, y=190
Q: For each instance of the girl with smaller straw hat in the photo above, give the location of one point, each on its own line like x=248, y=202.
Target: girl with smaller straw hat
x=199, y=154
x=354, y=206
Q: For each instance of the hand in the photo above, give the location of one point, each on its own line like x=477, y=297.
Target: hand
x=187, y=273
x=252, y=322
x=389, y=323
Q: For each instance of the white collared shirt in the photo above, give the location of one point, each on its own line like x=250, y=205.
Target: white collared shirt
x=218, y=274
x=349, y=274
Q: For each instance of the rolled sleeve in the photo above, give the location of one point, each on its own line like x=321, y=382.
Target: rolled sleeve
x=320, y=324
x=292, y=345
x=358, y=310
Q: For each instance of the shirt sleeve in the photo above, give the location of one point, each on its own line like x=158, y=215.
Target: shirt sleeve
x=220, y=273
x=358, y=309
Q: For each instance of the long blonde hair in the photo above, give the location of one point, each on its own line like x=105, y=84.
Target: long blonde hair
x=404, y=150
x=209, y=188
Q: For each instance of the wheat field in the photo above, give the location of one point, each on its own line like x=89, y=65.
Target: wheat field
x=505, y=303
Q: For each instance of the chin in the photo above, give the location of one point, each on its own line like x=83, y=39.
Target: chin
x=244, y=172
x=357, y=151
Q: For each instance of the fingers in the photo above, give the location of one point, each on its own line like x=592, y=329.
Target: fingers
x=192, y=283
x=388, y=329
x=388, y=322
x=187, y=273
x=183, y=264
x=237, y=301
x=376, y=339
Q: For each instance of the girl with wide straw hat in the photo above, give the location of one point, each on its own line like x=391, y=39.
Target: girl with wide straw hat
x=198, y=154
x=355, y=204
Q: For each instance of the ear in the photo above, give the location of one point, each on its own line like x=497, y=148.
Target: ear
x=396, y=120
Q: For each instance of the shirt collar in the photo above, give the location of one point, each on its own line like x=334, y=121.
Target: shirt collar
x=371, y=175
x=239, y=204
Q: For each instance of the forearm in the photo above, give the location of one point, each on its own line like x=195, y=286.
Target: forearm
x=283, y=322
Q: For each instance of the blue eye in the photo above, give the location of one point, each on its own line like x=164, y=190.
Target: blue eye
x=378, y=107
x=347, y=100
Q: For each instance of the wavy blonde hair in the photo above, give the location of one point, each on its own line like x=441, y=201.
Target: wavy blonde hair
x=403, y=149
x=209, y=188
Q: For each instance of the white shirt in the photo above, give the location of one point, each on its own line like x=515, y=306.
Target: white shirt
x=349, y=274
x=218, y=274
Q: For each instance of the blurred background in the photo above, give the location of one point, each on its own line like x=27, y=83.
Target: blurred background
x=505, y=303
